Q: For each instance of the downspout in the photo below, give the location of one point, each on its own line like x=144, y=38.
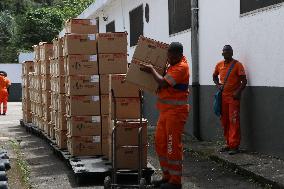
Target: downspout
x=195, y=68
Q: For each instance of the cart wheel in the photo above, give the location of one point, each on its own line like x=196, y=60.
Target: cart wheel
x=107, y=183
x=142, y=184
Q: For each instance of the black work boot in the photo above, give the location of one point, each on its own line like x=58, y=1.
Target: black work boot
x=234, y=151
x=4, y=114
x=158, y=183
x=171, y=186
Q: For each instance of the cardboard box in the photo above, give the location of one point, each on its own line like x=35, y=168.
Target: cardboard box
x=36, y=52
x=45, y=67
x=61, y=139
x=142, y=79
x=46, y=50
x=112, y=63
x=45, y=82
x=121, y=88
x=81, y=26
x=54, y=101
x=81, y=65
x=28, y=66
x=57, y=48
x=84, y=125
x=127, y=108
x=52, y=132
x=106, y=147
x=58, y=85
x=105, y=104
x=127, y=158
x=112, y=43
x=53, y=117
x=27, y=116
x=82, y=105
x=83, y=85
x=59, y=67
x=46, y=112
x=85, y=145
x=61, y=122
x=46, y=97
x=152, y=52
x=105, y=84
x=80, y=44
x=107, y=126
x=61, y=103
x=37, y=67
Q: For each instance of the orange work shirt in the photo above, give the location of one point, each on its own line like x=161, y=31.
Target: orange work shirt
x=4, y=83
x=176, y=75
x=234, y=80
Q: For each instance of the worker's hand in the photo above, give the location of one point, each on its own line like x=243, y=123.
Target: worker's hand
x=237, y=95
x=147, y=68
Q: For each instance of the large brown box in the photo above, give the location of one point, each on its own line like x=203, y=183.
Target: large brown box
x=27, y=116
x=105, y=85
x=46, y=112
x=45, y=67
x=81, y=65
x=61, y=103
x=107, y=125
x=85, y=146
x=112, y=63
x=80, y=44
x=37, y=67
x=60, y=121
x=152, y=52
x=127, y=132
x=61, y=139
x=58, y=84
x=106, y=146
x=83, y=85
x=81, y=26
x=36, y=52
x=54, y=101
x=127, y=108
x=82, y=105
x=28, y=66
x=127, y=157
x=121, y=88
x=46, y=50
x=59, y=67
x=109, y=43
x=105, y=104
x=84, y=125
x=57, y=48
x=45, y=82
x=142, y=79
x=46, y=97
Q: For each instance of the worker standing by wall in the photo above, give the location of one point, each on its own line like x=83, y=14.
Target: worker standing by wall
x=233, y=72
x=173, y=105
x=4, y=92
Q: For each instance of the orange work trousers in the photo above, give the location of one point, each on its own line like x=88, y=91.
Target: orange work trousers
x=4, y=101
x=169, y=146
x=230, y=120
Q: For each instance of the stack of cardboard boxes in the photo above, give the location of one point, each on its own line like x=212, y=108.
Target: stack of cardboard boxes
x=57, y=108
x=27, y=67
x=82, y=88
x=46, y=52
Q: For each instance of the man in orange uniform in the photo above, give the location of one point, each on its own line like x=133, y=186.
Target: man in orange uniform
x=231, y=96
x=174, y=109
x=4, y=91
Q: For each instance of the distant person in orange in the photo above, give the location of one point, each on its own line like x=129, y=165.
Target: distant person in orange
x=4, y=92
x=231, y=98
x=173, y=104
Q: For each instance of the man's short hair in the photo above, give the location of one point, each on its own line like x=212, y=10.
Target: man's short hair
x=176, y=48
x=227, y=48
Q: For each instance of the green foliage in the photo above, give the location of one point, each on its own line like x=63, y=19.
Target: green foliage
x=24, y=23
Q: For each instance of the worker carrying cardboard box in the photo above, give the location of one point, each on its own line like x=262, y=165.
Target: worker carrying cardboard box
x=4, y=91
x=173, y=105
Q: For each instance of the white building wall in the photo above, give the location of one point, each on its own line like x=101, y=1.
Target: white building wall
x=257, y=40
x=14, y=72
x=157, y=28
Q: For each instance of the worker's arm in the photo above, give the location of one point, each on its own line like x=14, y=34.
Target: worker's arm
x=217, y=81
x=238, y=92
x=160, y=79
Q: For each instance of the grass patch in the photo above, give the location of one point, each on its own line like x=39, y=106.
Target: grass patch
x=22, y=165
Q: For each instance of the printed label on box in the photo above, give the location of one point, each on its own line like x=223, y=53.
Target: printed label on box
x=95, y=98
x=96, y=139
x=96, y=119
x=95, y=78
x=92, y=37
x=93, y=58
